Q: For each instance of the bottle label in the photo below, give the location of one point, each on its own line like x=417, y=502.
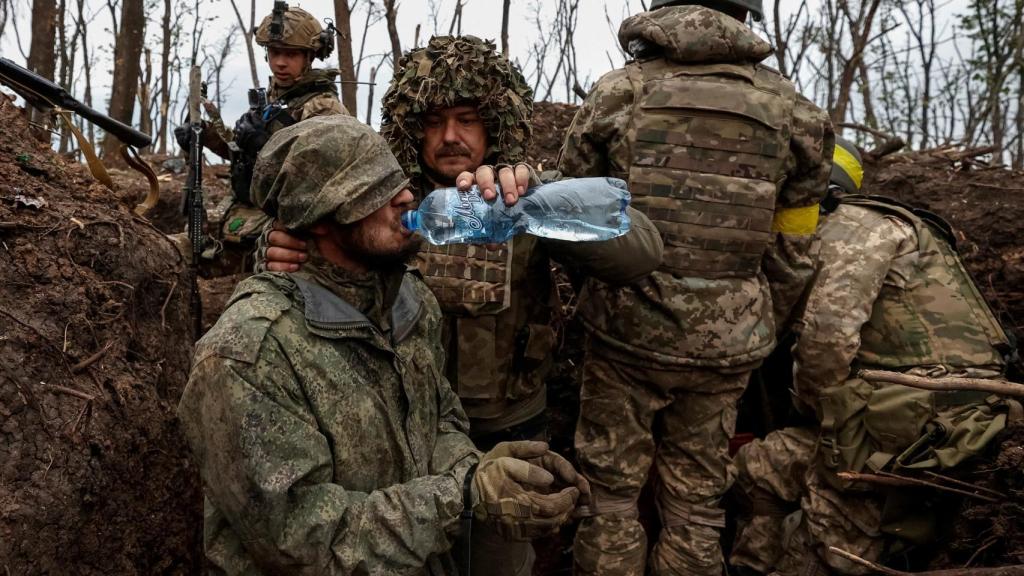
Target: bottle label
x=465, y=208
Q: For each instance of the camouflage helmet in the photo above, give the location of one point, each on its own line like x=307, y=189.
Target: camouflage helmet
x=323, y=166
x=753, y=6
x=847, y=166
x=452, y=71
x=287, y=27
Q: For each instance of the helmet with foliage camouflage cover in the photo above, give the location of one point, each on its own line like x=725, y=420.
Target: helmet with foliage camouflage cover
x=323, y=166
x=295, y=28
x=752, y=6
x=451, y=71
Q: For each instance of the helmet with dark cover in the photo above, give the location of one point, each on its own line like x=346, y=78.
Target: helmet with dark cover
x=753, y=6
x=453, y=71
x=324, y=166
x=288, y=27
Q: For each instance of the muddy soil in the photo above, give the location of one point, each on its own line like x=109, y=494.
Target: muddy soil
x=94, y=353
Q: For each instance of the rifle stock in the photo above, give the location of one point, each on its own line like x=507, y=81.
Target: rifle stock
x=44, y=94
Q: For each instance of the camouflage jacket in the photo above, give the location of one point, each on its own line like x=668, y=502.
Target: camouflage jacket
x=890, y=293
x=326, y=436
x=721, y=319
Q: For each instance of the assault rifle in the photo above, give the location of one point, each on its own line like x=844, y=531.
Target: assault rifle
x=193, y=196
x=46, y=95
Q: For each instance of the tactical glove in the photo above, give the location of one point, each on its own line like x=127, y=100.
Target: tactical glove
x=251, y=132
x=183, y=135
x=526, y=490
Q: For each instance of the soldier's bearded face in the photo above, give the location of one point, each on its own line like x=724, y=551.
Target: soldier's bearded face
x=287, y=64
x=379, y=241
x=454, y=140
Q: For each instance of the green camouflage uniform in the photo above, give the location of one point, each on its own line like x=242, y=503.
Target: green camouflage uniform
x=327, y=438
x=730, y=163
x=499, y=305
x=890, y=294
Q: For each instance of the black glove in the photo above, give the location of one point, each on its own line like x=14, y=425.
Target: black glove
x=183, y=135
x=251, y=132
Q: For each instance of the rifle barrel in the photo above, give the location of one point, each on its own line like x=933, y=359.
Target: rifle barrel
x=43, y=91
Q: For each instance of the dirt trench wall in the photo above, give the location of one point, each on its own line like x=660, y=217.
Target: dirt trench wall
x=94, y=353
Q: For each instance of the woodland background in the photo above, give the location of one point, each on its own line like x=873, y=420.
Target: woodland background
x=927, y=73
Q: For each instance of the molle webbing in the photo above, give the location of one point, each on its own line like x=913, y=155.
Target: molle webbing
x=468, y=278
x=708, y=157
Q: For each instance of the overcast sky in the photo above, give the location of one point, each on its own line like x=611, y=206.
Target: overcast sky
x=596, y=43
x=597, y=50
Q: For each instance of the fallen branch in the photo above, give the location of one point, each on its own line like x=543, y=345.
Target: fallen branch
x=91, y=359
x=883, y=136
x=945, y=383
x=163, y=308
x=889, y=479
x=961, y=483
x=70, y=392
x=995, y=187
x=1017, y=570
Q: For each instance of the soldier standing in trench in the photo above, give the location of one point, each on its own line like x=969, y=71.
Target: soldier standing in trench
x=730, y=163
x=458, y=112
x=293, y=38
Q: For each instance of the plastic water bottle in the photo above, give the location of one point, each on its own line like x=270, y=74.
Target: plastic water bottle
x=578, y=210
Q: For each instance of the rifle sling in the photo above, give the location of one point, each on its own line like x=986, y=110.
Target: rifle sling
x=96, y=167
x=132, y=157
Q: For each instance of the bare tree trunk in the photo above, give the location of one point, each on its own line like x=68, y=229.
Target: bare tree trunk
x=87, y=66
x=456, y=20
x=865, y=93
x=860, y=33
x=145, y=96
x=369, y=98
x=217, y=59
x=67, y=65
x=127, y=52
x=780, y=42
x=391, y=15
x=165, y=72
x=504, y=27
x=1018, y=157
x=5, y=14
x=248, y=34
x=42, y=58
x=362, y=42
x=349, y=88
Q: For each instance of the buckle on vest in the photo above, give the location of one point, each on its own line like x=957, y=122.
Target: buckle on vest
x=831, y=452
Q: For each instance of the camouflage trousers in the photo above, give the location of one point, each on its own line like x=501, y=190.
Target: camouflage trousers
x=791, y=515
x=679, y=420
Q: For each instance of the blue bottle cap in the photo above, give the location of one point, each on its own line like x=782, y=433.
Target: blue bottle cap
x=411, y=220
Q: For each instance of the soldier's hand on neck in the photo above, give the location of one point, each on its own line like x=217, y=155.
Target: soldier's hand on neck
x=513, y=181
x=285, y=253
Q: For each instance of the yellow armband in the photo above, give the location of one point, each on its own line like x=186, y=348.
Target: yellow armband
x=796, y=221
